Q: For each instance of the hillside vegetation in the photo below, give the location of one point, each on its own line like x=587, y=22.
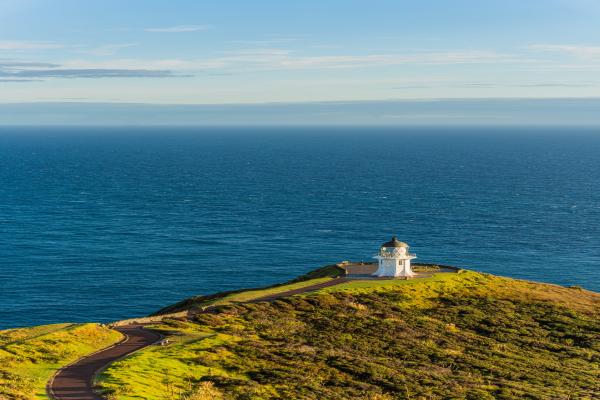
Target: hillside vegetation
x=318, y=275
x=452, y=336
x=30, y=356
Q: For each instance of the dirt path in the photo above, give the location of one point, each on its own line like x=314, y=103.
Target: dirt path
x=306, y=289
x=74, y=382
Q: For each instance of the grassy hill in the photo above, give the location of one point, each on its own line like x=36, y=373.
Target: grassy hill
x=452, y=336
x=30, y=356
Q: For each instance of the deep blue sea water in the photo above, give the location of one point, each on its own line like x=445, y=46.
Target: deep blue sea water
x=105, y=223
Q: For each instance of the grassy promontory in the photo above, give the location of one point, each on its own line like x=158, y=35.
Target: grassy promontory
x=450, y=336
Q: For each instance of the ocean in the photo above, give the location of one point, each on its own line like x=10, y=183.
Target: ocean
x=99, y=224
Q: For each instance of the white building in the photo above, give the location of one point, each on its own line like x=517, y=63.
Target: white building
x=394, y=260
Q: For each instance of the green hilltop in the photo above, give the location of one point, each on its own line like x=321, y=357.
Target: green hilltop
x=460, y=335
x=464, y=335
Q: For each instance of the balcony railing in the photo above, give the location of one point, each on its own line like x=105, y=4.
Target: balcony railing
x=389, y=254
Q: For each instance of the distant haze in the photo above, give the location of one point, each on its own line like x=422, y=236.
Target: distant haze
x=496, y=112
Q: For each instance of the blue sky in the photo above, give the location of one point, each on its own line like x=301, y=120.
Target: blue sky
x=232, y=52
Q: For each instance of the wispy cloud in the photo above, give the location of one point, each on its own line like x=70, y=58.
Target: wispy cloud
x=239, y=61
x=558, y=85
x=9, y=80
x=325, y=46
x=8, y=64
x=580, y=51
x=282, y=59
x=107, y=49
x=412, y=86
x=492, y=85
x=20, y=45
x=270, y=41
x=19, y=71
x=526, y=85
x=175, y=64
x=268, y=59
x=180, y=28
x=259, y=52
x=87, y=73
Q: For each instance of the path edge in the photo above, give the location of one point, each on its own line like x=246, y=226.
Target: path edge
x=49, y=390
x=102, y=369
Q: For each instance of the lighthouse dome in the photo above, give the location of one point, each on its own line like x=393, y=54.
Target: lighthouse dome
x=394, y=243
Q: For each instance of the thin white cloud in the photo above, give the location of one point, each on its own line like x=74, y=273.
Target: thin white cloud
x=180, y=28
x=174, y=64
x=21, y=71
x=3, y=80
x=281, y=59
x=20, y=45
x=269, y=42
x=107, y=49
x=10, y=64
x=259, y=52
x=477, y=85
x=325, y=46
x=25, y=75
x=240, y=61
x=580, y=51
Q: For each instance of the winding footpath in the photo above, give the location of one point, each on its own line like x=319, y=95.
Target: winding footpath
x=75, y=381
x=311, y=288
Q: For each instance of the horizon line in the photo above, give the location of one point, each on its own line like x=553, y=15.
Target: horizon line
x=270, y=103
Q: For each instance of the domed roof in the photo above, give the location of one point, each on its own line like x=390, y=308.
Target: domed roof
x=394, y=243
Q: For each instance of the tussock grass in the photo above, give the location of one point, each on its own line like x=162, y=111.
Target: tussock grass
x=460, y=336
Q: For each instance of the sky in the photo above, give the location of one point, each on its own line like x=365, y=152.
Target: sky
x=247, y=52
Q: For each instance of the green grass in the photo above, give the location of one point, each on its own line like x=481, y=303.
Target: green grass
x=174, y=366
x=451, y=336
x=460, y=335
x=358, y=286
x=167, y=370
x=30, y=356
x=198, y=302
x=256, y=294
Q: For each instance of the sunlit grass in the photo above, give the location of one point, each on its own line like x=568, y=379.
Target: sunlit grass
x=200, y=302
x=168, y=370
x=461, y=335
x=29, y=356
x=256, y=294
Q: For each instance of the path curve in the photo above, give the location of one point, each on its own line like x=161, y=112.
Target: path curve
x=74, y=382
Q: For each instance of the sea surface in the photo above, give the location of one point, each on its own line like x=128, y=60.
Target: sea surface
x=99, y=224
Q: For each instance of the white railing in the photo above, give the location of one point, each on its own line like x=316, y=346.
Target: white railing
x=394, y=254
